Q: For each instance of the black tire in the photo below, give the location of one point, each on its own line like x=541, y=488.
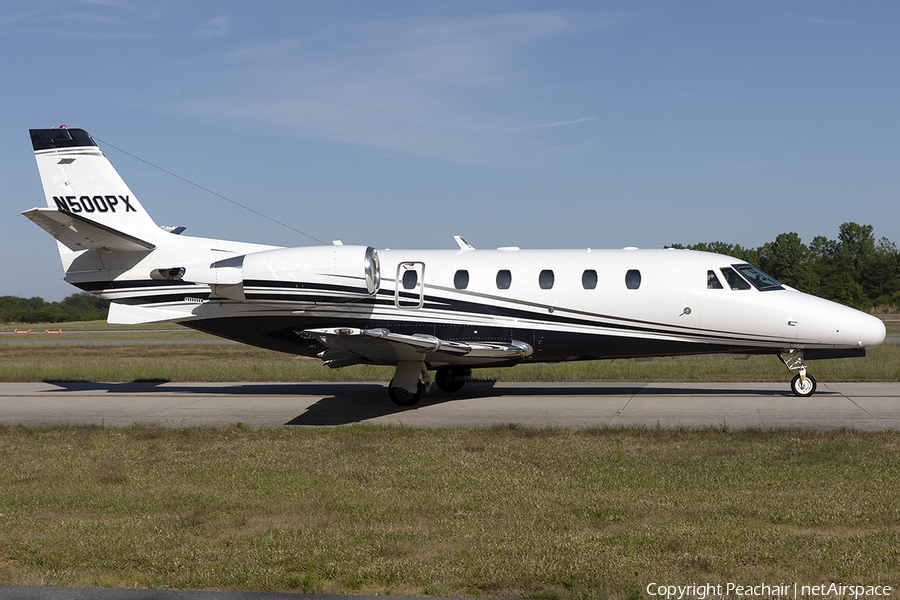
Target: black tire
x=452, y=379
x=803, y=389
x=402, y=397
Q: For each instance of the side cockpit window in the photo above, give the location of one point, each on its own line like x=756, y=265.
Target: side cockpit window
x=734, y=281
x=712, y=282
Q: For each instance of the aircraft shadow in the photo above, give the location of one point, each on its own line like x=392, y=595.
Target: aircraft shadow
x=362, y=404
x=346, y=403
x=220, y=389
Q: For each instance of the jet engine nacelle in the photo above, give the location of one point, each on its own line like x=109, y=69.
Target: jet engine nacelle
x=295, y=276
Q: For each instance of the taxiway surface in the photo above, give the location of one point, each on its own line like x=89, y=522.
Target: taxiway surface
x=859, y=406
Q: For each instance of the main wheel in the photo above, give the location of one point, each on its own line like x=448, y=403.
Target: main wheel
x=803, y=388
x=402, y=397
x=452, y=379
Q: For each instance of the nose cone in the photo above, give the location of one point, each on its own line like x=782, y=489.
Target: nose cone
x=876, y=331
x=826, y=323
x=862, y=330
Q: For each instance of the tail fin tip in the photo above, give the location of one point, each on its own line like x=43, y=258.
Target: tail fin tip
x=51, y=139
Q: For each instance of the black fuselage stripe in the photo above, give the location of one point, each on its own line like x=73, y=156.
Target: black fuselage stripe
x=433, y=305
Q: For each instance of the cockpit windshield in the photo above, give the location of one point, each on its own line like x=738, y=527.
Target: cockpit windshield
x=760, y=280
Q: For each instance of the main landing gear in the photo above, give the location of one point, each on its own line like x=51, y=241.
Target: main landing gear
x=803, y=384
x=403, y=397
x=411, y=381
x=452, y=379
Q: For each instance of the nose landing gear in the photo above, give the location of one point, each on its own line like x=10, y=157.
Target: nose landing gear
x=802, y=384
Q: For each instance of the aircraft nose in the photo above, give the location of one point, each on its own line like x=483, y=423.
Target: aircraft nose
x=876, y=330
x=825, y=322
x=865, y=330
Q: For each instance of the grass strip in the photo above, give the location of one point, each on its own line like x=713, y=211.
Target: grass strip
x=214, y=362
x=194, y=360
x=503, y=512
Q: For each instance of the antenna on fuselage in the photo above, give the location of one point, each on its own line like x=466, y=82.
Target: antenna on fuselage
x=209, y=191
x=463, y=244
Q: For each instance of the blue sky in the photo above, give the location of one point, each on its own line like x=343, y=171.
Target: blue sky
x=400, y=124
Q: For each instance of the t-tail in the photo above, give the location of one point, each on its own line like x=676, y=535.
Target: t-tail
x=89, y=206
x=111, y=247
x=108, y=244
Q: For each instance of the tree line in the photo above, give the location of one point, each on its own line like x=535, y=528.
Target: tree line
x=77, y=307
x=854, y=269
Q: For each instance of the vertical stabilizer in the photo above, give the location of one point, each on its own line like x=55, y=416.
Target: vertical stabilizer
x=79, y=181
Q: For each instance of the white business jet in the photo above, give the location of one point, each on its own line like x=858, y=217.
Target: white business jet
x=422, y=310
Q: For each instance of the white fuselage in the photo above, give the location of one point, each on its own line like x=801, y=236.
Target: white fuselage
x=423, y=309
x=567, y=304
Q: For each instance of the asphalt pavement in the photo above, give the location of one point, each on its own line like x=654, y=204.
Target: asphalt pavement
x=858, y=406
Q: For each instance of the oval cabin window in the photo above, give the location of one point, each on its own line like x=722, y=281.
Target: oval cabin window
x=546, y=279
x=633, y=279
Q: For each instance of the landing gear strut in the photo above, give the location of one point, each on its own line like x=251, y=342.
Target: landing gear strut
x=802, y=384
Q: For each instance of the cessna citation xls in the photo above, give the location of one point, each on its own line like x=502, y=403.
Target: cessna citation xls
x=419, y=310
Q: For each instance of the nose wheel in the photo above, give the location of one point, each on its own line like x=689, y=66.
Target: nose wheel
x=803, y=386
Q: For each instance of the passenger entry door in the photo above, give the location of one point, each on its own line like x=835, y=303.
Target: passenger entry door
x=409, y=285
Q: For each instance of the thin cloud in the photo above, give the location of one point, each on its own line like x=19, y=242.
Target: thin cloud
x=110, y=3
x=811, y=20
x=218, y=27
x=544, y=125
x=429, y=87
x=267, y=50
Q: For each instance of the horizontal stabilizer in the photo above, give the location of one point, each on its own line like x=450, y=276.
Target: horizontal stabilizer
x=78, y=233
x=347, y=346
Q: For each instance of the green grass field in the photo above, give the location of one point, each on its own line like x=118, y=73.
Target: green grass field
x=504, y=512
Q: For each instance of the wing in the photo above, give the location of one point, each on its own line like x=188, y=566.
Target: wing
x=350, y=346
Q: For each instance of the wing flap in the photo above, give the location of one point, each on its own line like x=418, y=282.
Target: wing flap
x=126, y=314
x=349, y=346
x=78, y=233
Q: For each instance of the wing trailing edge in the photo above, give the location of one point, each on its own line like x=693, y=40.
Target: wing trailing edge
x=349, y=346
